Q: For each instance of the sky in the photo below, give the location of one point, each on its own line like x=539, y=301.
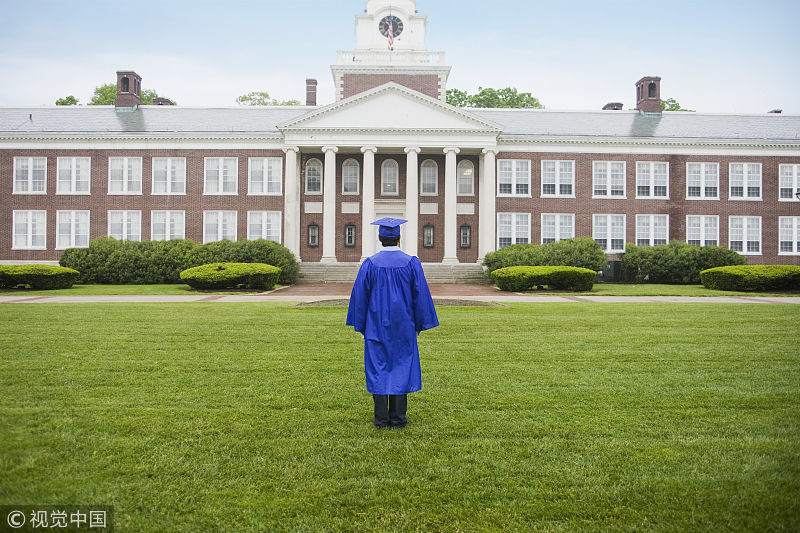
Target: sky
x=716, y=56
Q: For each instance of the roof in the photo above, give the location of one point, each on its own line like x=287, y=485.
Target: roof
x=515, y=123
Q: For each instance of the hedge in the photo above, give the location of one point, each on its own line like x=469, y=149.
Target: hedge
x=41, y=277
x=582, y=252
x=149, y=262
x=523, y=278
x=676, y=263
x=752, y=278
x=231, y=276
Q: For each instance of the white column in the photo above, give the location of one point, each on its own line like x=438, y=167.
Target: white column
x=409, y=242
x=368, y=202
x=487, y=218
x=291, y=203
x=329, y=205
x=450, y=205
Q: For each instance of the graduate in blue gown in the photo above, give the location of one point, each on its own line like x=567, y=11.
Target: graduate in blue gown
x=389, y=305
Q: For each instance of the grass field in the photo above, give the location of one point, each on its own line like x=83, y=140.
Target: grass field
x=533, y=417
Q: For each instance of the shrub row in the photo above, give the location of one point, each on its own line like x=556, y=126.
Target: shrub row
x=752, y=278
x=107, y=260
x=37, y=276
x=231, y=276
x=582, y=252
x=675, y=263
x=523, y=278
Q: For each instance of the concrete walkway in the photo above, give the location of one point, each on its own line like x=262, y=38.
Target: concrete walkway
x=453, y=293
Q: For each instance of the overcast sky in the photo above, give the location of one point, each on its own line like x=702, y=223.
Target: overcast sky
x=712, y=55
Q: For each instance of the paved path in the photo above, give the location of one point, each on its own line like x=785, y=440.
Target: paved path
x=320, y=292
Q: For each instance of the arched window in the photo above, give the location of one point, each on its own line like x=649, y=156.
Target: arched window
x=651, y=90
x=350, y=177
x=390, y=178
x=429, y=178
x=125, y=84
x=465, y=179
x=314, y=176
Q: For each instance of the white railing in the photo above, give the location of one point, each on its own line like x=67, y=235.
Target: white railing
x=394, y=57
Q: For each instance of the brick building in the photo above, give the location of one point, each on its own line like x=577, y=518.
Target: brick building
x=468, y=180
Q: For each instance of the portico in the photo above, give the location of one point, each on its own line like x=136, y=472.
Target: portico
x=390, y=151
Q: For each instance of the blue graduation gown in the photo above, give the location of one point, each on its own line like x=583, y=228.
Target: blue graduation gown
x=390, y=303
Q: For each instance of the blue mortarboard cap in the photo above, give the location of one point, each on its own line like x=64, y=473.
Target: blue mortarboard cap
x=389, y=227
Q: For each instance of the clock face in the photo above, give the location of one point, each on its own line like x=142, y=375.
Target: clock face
x=397, y=26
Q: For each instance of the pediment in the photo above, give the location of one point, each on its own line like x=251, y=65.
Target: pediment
x=390, y=107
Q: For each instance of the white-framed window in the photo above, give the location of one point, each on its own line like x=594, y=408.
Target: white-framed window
x=702, y=181
x=264, y=225
x=169, y=175
x=125, y=225
x=744, y=181
x=167, y=225
x=350, y=235
x=74, y=175
x=390, y=178
x=558, y=179
x=265, y=176
x=608, y=179
x=788, y=235
x=72, y=229
x=219, y=225
x=557, y=226
x=30, y=175
x=124, y=175
x=652, y=179
x=351, y=176
x=789, y=176
x=513, y=228
x=513, y=177
x=702, y=230
x=652, y=230
x=465, y=179
x=609, y=232
x=744, y=235
x=221, y=175
x=429, y=178
x=314, y=176
x=30, y=230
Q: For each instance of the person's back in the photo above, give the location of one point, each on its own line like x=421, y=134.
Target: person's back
x=389, y=305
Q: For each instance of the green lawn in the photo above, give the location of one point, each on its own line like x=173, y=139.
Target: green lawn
x=555, y=417
x=99, y=290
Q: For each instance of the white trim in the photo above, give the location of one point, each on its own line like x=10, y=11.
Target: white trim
x=221, y=175
x=321, y=176
x=73, y=164
x=703, y=227
x=516, y=179
x=795, y=229
x=557, y=226
x=651, y=180
x=703, y=177
x=422, y=176
x=651, y=229
x=514, y=228
x=609, y=234
x=265, y=214
x=358, y=177
x=745, y=220
x=126, y=178
x=30, y=175
x=270, y=164
x=745, y=181
x=465, y=162
x=383, y=178
x=220, y=214
x=795, y=175
x=607, y=165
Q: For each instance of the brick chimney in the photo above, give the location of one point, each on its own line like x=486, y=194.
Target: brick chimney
x=129, y=89
x=648, y=95
x=613, y=106
x=160, y=100
x=311, y=92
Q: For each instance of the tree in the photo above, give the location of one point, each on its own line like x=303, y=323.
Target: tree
x=106, y=94
x=488, y=97
x=262, y=98
x=670, y=104
x=67, y=100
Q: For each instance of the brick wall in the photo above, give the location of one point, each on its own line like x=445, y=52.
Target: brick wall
x=353, y=84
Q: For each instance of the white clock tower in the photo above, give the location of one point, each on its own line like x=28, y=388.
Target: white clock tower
x=390, y=46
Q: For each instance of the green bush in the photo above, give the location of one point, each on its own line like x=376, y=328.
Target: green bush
x=40, y=277
x=582, y=252
x=522, y=278
x=752, y=278
x=676, y=263
x=231, y=276
x=149, y=262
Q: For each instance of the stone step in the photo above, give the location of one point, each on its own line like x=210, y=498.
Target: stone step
x=346, y=273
